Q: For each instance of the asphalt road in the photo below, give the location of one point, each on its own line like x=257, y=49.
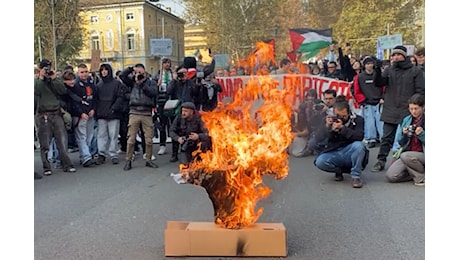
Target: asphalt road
x=102, y=212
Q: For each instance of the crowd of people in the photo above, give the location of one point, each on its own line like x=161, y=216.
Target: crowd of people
x=391, y=103
x=105, y=115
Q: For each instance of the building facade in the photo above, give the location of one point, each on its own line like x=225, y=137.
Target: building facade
x=196, y=42
x=126, y=32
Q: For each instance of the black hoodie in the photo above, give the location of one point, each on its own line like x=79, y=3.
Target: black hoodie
x=108, y=96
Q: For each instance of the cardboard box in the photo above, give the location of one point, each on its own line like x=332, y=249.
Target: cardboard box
x=208, y=239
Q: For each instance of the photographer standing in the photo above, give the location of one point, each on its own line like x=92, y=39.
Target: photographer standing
x=142, y=101
x=47, y=89
x=184, y=90
x=188, y=130
x=411, y=163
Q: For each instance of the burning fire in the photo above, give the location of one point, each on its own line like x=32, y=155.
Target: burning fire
x=249, y=139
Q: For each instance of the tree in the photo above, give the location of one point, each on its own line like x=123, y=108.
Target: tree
x=235, y=26
x=68, y=27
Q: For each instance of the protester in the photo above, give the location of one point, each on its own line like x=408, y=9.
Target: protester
x=108, y=99
x=163, y=77
x=411, y=162
x=83, y=115
x=401, y=80
x=370, y=98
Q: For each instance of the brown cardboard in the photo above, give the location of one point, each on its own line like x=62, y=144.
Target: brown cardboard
x=208, y=239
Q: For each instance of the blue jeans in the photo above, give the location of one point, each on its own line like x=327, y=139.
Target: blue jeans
x=373, y=127
x=348, y=157
x=84, y=132
x=53, y=152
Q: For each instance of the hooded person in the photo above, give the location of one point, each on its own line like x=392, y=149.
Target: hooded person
x=198, y=74
x=109, y=105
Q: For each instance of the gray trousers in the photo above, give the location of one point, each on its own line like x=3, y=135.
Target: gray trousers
x=52, y=125
x=409, y=166
x=107, y=137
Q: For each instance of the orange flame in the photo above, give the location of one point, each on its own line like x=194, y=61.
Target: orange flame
x=249, y=139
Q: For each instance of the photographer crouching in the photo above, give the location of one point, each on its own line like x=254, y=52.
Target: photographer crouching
x=189, y=131
x=344, y=151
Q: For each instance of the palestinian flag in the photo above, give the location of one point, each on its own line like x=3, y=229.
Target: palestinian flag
x=310, y=41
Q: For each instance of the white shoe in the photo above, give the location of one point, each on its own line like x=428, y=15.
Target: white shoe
x=151, y=158
x=162, y=150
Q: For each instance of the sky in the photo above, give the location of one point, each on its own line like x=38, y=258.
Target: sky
x=177, y=7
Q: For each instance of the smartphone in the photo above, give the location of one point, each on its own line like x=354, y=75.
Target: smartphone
x=348, y=44
x=209, y=51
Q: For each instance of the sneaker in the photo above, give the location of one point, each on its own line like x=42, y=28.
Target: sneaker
x=151, y=164
x=162, y=150
x=115, y=160
x=174, y=158
x=100, y=160
x=420, y=184
x=128, y=165
x=37, y=176
x=338, y=177
x=89, y=162
x=71, y=169
x=47, y=173
x=151, y=158
x=379, y=166
x=356, y=183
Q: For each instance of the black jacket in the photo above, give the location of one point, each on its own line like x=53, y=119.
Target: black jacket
x=84, y=90
x=401, y=80
x=367, y=86
x=352, y=131
x=109, y=97
x=143, y=98
x=182, y=128
x=185, y=91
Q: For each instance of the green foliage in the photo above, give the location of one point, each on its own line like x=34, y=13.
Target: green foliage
x=69, y=30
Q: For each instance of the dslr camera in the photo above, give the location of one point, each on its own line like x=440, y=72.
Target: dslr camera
x=180, y=75
x=411, y=130
x=140, y=77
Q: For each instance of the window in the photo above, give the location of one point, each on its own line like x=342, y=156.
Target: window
x=94, y=19
x=130, y=36
x=129, y=16
x=95, y=44
x=109, y=39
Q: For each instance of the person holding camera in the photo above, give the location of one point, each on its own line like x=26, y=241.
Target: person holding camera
x=401, y=80
x=142, y=101
x=188, y=130
x=344, y=151
x=48, y=87
x=321, y=108
x=209, y=91
x=411, y=162
x=184, y=90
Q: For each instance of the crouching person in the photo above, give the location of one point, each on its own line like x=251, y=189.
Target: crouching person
x=344, y=151
x=188, y=129
x=410, y=165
